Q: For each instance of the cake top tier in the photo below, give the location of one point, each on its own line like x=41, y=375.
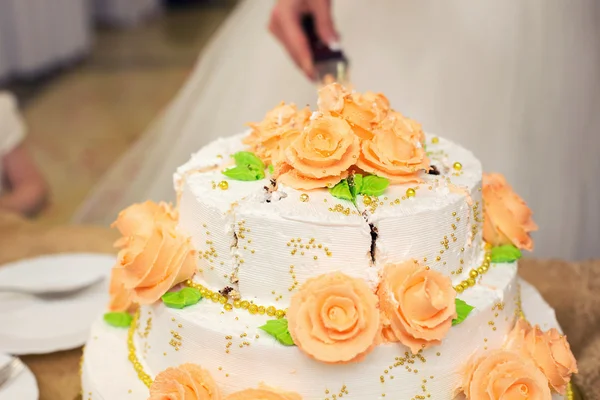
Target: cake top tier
x=351, y=187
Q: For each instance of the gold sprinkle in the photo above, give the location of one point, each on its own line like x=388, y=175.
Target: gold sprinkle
x=223, y=185
x=304, y=197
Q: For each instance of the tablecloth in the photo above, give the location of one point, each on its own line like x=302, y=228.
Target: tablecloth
x=571, y=288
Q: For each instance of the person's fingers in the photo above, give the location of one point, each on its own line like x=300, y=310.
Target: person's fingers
x=285, y=25
x=321, y=9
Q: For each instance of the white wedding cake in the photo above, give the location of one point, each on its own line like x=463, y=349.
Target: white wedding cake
x=339, y=253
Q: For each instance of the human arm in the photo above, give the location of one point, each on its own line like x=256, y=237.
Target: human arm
x=27, y=190
x=285, y=25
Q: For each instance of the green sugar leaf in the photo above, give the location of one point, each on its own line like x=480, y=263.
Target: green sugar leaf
x=373, y=185
x=505, y=254
x=271, y=169
x=118, y=319
x=244, y=174
x=248, y=159
x=258, y=173
x=355, y=183
x=183, y=298
x=278, y=328
x=462, y=311
x=342, y=191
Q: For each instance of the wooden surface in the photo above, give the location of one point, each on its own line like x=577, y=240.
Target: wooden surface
x=573, y=289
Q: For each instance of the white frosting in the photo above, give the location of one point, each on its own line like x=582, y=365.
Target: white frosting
x=106, y=372
x=205, y=328
x=259, y=247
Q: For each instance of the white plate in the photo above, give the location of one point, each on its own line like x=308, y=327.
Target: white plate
x=22, y=387
x=56, y=273
x=36, y=324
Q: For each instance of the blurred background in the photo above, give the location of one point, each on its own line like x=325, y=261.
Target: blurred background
x=91, y=75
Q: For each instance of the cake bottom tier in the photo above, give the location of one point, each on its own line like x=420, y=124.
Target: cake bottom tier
x=108, y=373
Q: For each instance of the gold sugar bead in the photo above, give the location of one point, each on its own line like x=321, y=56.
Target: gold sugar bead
x=304, y=197
x=271, y=311
x=366, y=200
x=410, y=192
x=459, y=288
x=228, y=306
x=215, y=297
x=261, y=310
x=279, y=314
x=473, y=273
x=480, y=270
x=223, y=185
x=245, y=304
x=457, y=166
x=485, y=267
x=253, y=308
x=471, y=282
x=435, y=140
x=222, y=299
x=237, y=303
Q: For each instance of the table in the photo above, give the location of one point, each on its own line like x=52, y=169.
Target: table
x=58, y=373
x=571, y=288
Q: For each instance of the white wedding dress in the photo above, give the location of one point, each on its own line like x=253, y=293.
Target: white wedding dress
x=516, y=81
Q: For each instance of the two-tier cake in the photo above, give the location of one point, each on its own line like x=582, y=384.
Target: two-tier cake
x=340, y=253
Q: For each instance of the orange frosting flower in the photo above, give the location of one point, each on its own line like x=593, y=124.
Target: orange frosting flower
x=504, y=375
x=265, y=137
x=138, y=219
x=507, y=219
x=392, y=156
x=418, y=303
x=121, y=299
x=403, y=126
x=334, y=318
x=377, y=103
x=338, y=102
x=264, y=393
x=549, y=350
x=278, y=149
x=154, y=255
x=186, y=382
x=321, y=155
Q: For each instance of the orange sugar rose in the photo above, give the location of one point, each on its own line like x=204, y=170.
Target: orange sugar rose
x=121, y=299
x=395, y=157
x=549, y=350
x=504, y=375
x=419, y=305
x=264, y=393
x=507, y=219
x=403, y=126
x=335, y=100
x=377, y=103
x=334, y=318
x=154, y=255
x=264, y=139
x=138, y=219
x=321, y=155
x=186, y=382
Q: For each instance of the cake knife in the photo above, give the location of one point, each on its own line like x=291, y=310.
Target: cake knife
x=331, y=64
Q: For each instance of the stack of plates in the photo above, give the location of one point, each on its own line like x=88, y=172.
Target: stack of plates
x=48, y=304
